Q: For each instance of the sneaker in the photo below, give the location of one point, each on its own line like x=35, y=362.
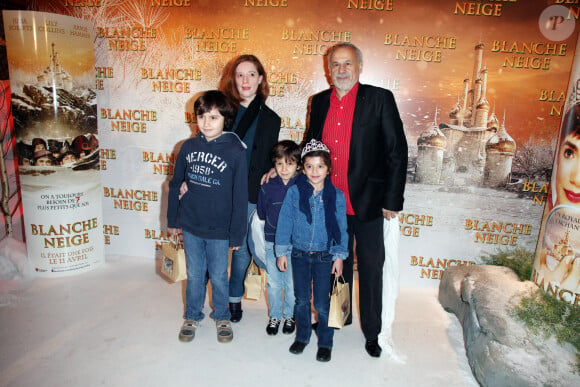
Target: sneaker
x=273, y=325
x=187, y=330
x=289, y=326
x=225, y=334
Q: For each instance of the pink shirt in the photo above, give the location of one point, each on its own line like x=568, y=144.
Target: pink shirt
x=336, y=136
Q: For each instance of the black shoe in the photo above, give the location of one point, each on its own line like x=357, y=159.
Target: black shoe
x=373, y=348
x=297, y=347
x=289, y=326
x=235, y=311
x=323, y=354
x=273, y=325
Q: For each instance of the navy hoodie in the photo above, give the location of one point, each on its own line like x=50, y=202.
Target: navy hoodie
x=215, y=205
x=270, y=201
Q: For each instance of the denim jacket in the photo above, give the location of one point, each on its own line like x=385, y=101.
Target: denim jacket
x=294, y=230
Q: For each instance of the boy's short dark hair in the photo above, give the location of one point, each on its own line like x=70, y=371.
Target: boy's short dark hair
x=286, y=149
x=215, y=98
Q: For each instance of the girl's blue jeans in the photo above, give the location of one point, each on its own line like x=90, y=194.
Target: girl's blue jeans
x=311, y=271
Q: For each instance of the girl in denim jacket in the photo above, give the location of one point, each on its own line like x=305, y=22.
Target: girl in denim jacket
x=312, y=230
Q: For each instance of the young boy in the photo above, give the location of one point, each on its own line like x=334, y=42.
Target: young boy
x=212, y=213
x=280, y=289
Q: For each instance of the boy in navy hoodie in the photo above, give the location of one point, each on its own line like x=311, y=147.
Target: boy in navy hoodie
x=280, y=289
x=212, y=213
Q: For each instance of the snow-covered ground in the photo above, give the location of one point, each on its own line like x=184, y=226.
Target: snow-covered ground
x=117, y=325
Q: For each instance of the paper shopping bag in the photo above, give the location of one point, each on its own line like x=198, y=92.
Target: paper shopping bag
x=339, y=304
x=253, y=282
x=173, y=264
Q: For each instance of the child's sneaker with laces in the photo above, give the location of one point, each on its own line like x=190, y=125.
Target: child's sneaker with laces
x=225, y=334
x=289, y=326
x=272, y=327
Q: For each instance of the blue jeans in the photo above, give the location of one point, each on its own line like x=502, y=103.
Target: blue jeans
x=240, y=261
x=311, y=271
x=206, y=256
x=278, y=282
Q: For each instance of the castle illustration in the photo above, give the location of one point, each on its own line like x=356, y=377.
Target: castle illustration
x=54, y=75
x=472, y=148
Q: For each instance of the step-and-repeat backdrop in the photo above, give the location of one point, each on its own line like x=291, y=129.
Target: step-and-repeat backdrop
x=480, y=86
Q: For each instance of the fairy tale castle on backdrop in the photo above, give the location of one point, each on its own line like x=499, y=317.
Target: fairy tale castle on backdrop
x=472, y=148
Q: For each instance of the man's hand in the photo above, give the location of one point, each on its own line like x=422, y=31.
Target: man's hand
x=388, y=215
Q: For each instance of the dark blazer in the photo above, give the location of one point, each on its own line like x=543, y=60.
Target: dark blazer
x=377, y=165
x=267, y=132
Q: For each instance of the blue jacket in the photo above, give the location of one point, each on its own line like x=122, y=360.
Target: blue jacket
x=216, y=203
x=294, y=230
x=270, y=201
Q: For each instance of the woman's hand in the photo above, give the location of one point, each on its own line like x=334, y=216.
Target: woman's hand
x=173, y=231
x=267, y=176
x=182, y=190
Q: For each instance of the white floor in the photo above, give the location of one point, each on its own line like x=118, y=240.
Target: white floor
x=118, y=324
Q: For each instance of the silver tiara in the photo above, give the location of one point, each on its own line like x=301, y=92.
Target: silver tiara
x=312, y=146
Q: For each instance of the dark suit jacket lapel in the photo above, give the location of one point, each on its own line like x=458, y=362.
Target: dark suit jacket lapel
x=359, y=110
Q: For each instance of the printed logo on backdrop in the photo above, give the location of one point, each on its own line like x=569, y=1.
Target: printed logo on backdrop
x=426, y=48
x=410, y=224
x=528, y=54
x=432, y=268
x=171, y=80
x=370, y=5
x=266, y=3
x=128, y=38
x=313, y=42
x=102, y=73
x=110, y=231
x=497, y=232
x=83, y=3
x=159, y=163
x=159, y=237
x=170, y=3
x=482, y=8
x=128, y=120
x=105, y=156
x=216, y=40
x=125, y=199
x=280, y=82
